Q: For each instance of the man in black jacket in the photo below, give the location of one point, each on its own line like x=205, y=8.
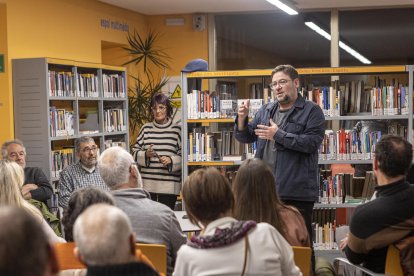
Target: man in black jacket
x=389, y=218
x=288, y=133
x=36, y=184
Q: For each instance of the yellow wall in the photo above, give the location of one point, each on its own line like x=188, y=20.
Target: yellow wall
x=182, y=43
x=71, y=29
x=6, y=118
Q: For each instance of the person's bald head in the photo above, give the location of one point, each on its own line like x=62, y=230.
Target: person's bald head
x=25, y=248
x=103, y=236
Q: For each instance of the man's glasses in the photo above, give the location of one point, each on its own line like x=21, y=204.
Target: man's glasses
x=88, y=149
x=282, y=82
x=160, y=108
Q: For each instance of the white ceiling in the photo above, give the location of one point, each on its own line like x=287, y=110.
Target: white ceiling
x=159, y=7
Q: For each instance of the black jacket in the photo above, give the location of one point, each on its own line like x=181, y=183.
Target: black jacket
x=297, y=142
x=35, y=175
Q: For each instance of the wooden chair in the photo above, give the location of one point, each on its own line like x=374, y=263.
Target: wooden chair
x=65, y=256
x=392, y=264
x=156, y=253
x=302, y=257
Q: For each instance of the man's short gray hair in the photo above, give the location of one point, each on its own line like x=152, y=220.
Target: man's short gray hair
x=102, y=234
x=114, y=166
x=83, y=139
x=4, y=152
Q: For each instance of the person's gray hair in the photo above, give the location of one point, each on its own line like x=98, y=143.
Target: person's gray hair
x=114, y=166
x=102, y=235
x=83, y=139
x=4, y=152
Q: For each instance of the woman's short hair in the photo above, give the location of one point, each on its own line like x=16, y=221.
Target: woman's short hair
x=78, y=202
x=161, y=98
x=207, y=195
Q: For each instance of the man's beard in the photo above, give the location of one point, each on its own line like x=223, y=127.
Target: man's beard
x=286, y=99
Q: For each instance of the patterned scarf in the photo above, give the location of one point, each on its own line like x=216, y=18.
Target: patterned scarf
x=223, y=236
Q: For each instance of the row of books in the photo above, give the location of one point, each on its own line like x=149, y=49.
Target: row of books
x=110, y=143
x=324, y=236
x=115, y=120
x=60, y=159
x=88, y=85
x=65, y=83
x=113, y=86
x=206, y=105
x=345, y=188
x=389, y=100
x=353, y=98
x=61, y=84
x=61, y=122
x=348, y=145
x=204, y=145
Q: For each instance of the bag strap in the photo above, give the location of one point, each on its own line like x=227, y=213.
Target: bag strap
x=246, y=251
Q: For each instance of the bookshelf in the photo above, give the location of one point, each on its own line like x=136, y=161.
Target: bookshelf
x=307, y=75
x=368, y=77
x=57, y=101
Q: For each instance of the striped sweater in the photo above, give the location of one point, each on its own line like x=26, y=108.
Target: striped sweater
x=166, y=139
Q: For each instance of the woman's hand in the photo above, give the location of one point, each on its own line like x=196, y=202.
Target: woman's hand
x=150, y=153
x=165, y=160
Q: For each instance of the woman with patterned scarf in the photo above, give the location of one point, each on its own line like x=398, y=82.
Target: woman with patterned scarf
x=225, y=245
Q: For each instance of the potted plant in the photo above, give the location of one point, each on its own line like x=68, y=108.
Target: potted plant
x=147, y=56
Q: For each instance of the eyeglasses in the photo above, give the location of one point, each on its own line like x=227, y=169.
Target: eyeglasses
x=160, y=108
x=88, y=149
x=282, y=82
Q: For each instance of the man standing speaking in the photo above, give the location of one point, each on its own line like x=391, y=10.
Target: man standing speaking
x=288, y=133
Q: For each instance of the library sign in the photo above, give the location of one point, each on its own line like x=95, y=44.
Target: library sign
x=114, y=25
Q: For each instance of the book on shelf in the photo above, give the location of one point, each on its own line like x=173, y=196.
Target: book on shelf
x=61, y=84
x=61, y=122
x=113, y=86
x=87, y=85
x=60, y=159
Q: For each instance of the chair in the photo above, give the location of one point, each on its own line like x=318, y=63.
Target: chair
x=157, y=253
x=392, y=265
x=65, y=256
x=302, y=257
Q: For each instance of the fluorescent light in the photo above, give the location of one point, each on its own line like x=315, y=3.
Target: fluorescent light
x=342, y=45
x=283, y=7
x=317, y=29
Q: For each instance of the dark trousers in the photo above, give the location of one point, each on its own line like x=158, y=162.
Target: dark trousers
x=306, y=210
x=166, y=199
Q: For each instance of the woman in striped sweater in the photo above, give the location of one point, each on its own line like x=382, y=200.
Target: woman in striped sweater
x=158, y=153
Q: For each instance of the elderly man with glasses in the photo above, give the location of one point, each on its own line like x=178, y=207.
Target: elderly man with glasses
x=82, y=174
x=36, y=184
x=288, y=133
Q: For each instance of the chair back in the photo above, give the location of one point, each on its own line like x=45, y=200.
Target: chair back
x=156, y=253
x=302, y=257
x=392, y=262
x=65, y=256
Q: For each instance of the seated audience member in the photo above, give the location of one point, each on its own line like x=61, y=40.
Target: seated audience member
x=11, y=181
x=26, y=252
x=78, y=202
x=152, y=221
x=36, y=185
x=227, y=246
x=105, y=242
x=389, y=218
x=256, y=199
x=83, y=174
